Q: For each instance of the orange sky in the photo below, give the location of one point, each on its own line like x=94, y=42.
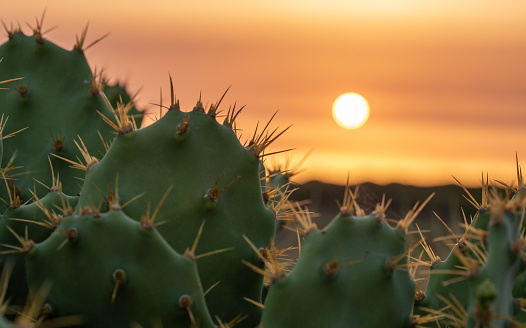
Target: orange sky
x=446, y=82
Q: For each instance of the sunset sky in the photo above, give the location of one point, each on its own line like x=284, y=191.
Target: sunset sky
x=445, y=80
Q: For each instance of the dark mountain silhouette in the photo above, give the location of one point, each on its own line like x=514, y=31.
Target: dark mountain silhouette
x=448, y=203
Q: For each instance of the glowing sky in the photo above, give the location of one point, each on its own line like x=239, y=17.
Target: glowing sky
x=445, y=80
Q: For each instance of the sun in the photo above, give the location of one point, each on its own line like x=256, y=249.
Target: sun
x=350, y=110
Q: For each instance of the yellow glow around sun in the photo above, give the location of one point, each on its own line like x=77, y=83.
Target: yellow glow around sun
x=350, y=110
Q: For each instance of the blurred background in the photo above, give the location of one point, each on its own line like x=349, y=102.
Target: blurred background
x=445, y=80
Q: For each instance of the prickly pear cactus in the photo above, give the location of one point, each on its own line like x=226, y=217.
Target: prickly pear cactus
x=123, y=272
x=55, y=104
x=355, y=259
x=175, y=223
x=474, y=286
x=209, y=180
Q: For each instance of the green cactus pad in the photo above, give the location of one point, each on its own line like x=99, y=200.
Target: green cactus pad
x=57, y=102
x=214, y=180
x=345, y=278
x=113, y=272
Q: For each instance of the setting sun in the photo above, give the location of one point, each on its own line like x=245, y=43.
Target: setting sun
x=437, y=75
x=350, y=110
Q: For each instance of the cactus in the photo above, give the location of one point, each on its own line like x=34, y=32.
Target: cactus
x=56, y=105
x=175, y=224
x=213, y=182
x=139, y=278
x=351, y=274
x=474, y=286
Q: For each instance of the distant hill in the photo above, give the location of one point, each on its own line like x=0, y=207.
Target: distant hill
x=447, y=203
